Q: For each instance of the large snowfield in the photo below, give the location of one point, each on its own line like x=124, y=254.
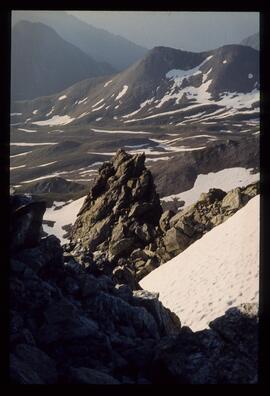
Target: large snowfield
x=218, y=271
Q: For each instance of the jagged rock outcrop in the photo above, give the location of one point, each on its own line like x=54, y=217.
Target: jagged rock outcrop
x=71, y=326
x=120, y=215
x=122, y=231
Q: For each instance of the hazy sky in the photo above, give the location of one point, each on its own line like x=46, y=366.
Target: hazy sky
x=188, y=30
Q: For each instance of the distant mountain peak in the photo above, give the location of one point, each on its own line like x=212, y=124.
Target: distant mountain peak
x=252, y=41
x=43, y=63
x=98, y=43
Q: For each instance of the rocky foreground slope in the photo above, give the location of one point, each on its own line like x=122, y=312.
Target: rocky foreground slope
x=70, y=326
x=122, y=231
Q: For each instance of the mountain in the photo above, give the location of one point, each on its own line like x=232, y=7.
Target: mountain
x=99, y=44
x=167, y=85
x=190, y=113
x=43, y=63
x=252, y=41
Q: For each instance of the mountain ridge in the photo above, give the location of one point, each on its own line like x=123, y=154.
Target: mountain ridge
x=43, y=63
x=138, y=85
x=98, y=43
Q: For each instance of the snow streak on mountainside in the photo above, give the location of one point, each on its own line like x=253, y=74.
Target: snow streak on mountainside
x=218, y=271
x=167, y=85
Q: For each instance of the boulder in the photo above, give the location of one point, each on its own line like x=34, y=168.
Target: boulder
x=121, y=247
x=175, y=240
x=168, y=322
x=232, y=200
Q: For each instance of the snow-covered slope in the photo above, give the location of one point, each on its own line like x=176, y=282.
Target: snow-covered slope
x=216, y=272
x=63, y=216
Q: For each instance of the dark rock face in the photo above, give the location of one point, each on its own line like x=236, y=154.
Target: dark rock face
x=70, y=326
x=121, y=213
x=26, y=219
x=227, y=353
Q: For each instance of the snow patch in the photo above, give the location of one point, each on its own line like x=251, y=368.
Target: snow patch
x=62, y=97
x=82, y=101
x=137, y=145
x=115, y=131
x=17, y=167
x=63, y=216
x=83, y=114
x=26, y=130
x=56, y=174
x=143, y=104
x=107, y=83
x=98, y=108
x=49, y=163
x=122, y=93
x=31, y=144
x=97, y=153
x=55, y=120
x=19, y=155
x=48, y=114
x=100, y=101
x=158, y=159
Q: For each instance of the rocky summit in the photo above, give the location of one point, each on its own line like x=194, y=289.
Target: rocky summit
x=71, y=326
x=119, y=219
x=121, y=229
